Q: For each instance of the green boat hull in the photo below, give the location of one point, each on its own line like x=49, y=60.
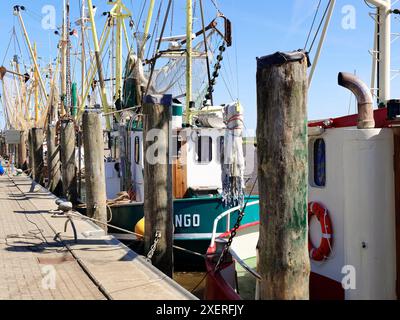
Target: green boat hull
x=193, y=221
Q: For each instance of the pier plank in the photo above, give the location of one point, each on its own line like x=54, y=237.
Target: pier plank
x=98, y=266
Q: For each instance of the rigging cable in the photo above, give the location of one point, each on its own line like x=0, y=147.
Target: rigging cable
x=206, y=49
x=155, y=31
x=139, y=20
x=313, y=23
x=153, y=65
x=214, y=2
x=320, y=25
x=8, y=47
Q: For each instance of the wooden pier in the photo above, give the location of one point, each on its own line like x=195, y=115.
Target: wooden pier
x=38, y=260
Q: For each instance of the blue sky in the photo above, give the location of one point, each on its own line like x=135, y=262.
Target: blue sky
x=260, y=27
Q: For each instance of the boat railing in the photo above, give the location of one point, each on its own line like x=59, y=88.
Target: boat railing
x=225, y=214
x=245, y=266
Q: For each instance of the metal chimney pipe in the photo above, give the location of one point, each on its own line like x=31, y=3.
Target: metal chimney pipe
x=364, y=99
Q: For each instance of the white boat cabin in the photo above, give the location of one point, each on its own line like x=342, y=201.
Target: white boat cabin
x=352, y=176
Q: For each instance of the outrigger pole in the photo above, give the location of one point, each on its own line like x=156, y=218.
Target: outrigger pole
x=83, y=55
x=36, y=88
x=147, y=28
x=103, y=93
x=4, y=70
x=17, y=12
x=92, y=71
x=64, y=61
x=189, y=44
x=119, y=12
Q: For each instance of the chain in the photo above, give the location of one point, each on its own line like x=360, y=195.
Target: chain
x=234, y=230
x=215, y=75
x=232, y=236
x=153, y=247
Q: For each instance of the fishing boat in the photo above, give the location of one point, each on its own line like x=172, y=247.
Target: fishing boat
x=202, y=135
x=205, y=136
x=353, y=210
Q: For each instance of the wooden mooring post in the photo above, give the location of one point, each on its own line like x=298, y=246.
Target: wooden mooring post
x=22, y=154
x=96, y=199
x=158, y=205
x=68, y=165
x=53, y=161
x=284, y=264
x=29, y=149
x=36, y=153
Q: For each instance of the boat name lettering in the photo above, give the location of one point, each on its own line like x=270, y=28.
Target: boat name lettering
x=187, y=220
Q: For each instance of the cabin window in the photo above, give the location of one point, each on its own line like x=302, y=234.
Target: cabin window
x=204, y=150
x=319, y=159
x=137, y=150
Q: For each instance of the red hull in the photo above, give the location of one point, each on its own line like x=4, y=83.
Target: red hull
x=321, y=288
x=216, y=286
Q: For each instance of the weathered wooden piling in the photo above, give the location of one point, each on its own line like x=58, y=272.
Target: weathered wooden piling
x=53, y=161
x=2, y=146
x=158, y=205
x=22, y=154
x=6, y=149
x=96, y=199
x=29, y=149
x=284, y=263
x=67, y=148
x=37, y=154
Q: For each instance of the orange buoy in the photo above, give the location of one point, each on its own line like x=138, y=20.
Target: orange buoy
x=139, y=228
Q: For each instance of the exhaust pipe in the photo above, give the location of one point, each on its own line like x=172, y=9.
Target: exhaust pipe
x=364, y=99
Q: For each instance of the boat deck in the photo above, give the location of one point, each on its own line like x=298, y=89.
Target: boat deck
x=38, y=260
x=246, y=282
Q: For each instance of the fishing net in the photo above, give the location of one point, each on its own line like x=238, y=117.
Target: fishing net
x=17, y=114
x=170, y=77
x=233, y=164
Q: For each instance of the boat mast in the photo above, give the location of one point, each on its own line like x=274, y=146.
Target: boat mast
x=68, y=97
x=384, y=43
x=64, y=62
x=119, y=12
x=375, y=57
x=103, y=93
x=147, y=29
x=23, y=90
x=83, y=55
x=112, y=55
x=17, y=98
x=36, y=89
x=118, y=53
x=189, y=32
x=93, y=67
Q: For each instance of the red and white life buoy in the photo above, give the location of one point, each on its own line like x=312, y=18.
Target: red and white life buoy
x=324, y=250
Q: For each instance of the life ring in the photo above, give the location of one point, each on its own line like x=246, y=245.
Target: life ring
x=325, y=248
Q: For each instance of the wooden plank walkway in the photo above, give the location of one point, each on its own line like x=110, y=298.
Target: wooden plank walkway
x=33, y=265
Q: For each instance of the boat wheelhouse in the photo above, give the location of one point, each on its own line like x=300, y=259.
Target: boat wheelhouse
x=354, y=209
